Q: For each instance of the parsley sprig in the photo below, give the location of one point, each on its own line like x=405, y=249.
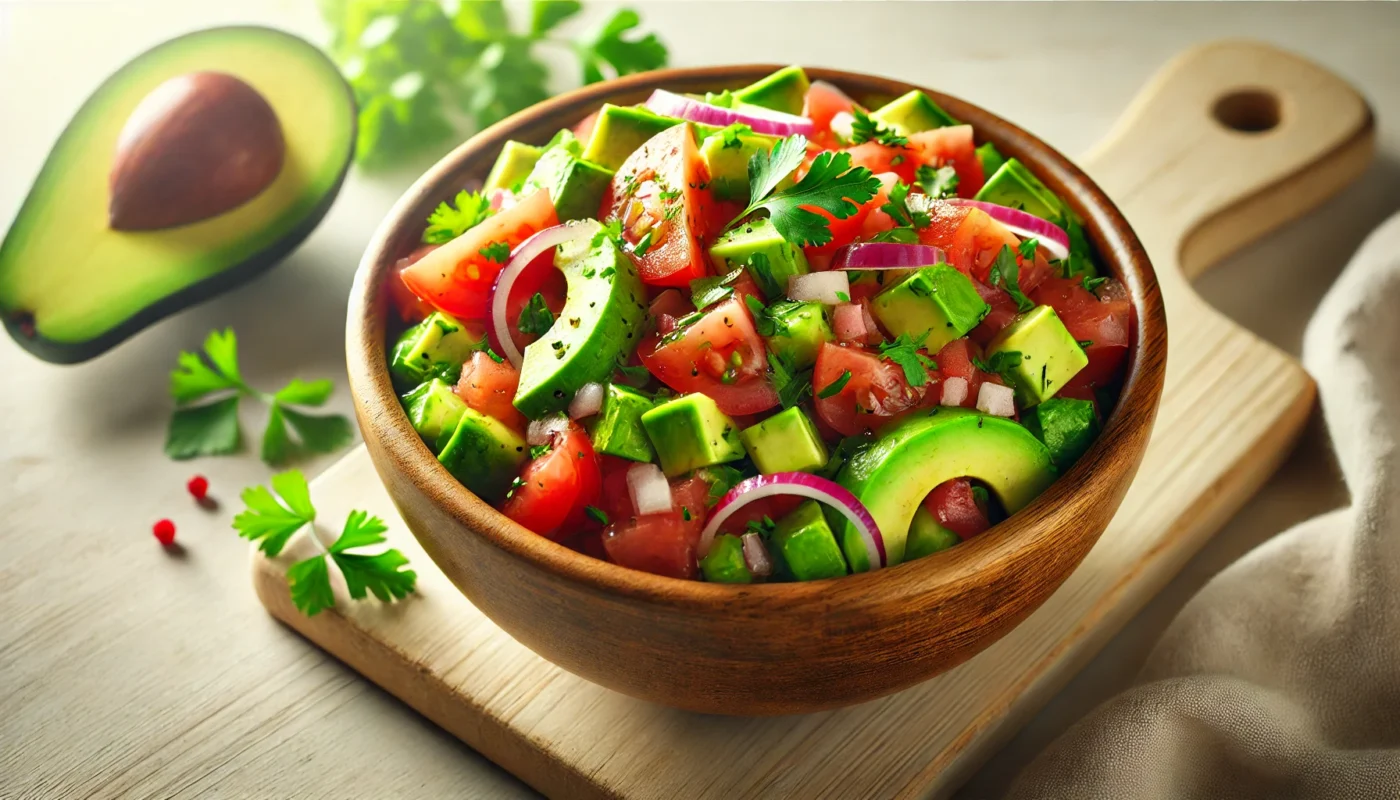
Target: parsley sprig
x=212, y=428
x=272, y=517
x=865, y=128
x=450, y=220
x=904, y=353
x=831, y=184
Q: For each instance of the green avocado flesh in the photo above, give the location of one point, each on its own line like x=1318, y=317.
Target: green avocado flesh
x=926, y=536
x=908, y=460
x=71, y=288
x=725, y=561
x=483, y=454
x=598, y=328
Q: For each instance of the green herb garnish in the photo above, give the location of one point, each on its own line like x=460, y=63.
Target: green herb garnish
x=1005, y=273
x=834, y=388
x=937, y=183
x=451, y=220
x=904, y=352
x=705, y=292
x=498, y=252
x=831, y=184
x=596, y=514
x=864, y=129
x=898, y=208
x=535, y=318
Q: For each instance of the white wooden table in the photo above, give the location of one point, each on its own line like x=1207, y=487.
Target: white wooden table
x=125, y=671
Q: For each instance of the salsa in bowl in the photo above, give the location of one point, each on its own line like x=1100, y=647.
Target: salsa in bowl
x=743, y=332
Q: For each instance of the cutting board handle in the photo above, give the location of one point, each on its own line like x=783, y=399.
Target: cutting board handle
x=1230, y=140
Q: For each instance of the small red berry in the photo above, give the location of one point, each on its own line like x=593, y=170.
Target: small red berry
x=164, y=531
x=198, y=486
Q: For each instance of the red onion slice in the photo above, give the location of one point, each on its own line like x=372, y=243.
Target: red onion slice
x=801, y=484
x=775, y=123
x=523, y=256
x=887, y=255
x=1025, y=225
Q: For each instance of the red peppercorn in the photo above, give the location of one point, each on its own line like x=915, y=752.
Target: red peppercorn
x=164, y=531
x=198, y=486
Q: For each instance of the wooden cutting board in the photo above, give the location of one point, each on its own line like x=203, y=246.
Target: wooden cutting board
x=1228, y=142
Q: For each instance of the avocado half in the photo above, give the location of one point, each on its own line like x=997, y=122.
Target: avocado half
x=72, y=286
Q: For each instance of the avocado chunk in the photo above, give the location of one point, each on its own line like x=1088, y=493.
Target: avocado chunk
x=913, y=112
x=71, y=287
x=512, y=166
x=725, y=561
x=990, y=158
x=619, y=130
x=926, y=536
x=483, y=454
x=434, y=348
x=616, y=430
x=598, y=328
x=1050, y=356
x=1066, y=426
x=758, y=247
x=1015, y=186
x=727, y=154
x=576, y=186
x=784, y=90
x=894, y=475
x=785, y=442
x=804, y=546
x=690, y=432
x=937, y=303
x=799, y=331
x=433, y=408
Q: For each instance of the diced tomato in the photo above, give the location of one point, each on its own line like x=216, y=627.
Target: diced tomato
x=899, y=160
x=955, y=361
x=955, y=507
x=775, y=508
x=876, y=392
x=951, y=145
x=689, y=497
x=823, y=102
x=456, y=277
x=664, y=543
x=1103, y=319
x=1003, y=311
x=489, y=386
x=590, y=480
x=659, y=191
x=555, y=487
x=412, y=308
x=972, y=241
x=721, y=355
x=540, y=277
x=845, y=231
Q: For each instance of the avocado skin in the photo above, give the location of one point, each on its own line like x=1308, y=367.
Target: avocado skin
x=20, y=327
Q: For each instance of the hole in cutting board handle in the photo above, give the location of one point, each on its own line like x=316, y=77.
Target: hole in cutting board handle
x=1248, y=111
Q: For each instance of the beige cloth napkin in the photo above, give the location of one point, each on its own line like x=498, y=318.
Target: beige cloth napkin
x=1281, y=678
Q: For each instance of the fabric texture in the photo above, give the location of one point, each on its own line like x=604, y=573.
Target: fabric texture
x=1281, y=677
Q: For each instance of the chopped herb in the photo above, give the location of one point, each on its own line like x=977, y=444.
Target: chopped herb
x=685, y=513
x=843, y=452
x=1092, y=284
x=447, y=223
x=612, y=229
x=904, y=352
x=1005, y=273
x=643, y=245
x=493, y=355
x=1085, y=344
x=721, y=478
x=831, y=184
x=866, y=129
x=498, y=252
x=937, y=183
x=899, y=209
x=535, y=318
x=834, y=388
x=596, y=514
x=843, y=297
x=705, y=292
x=1027, y=248
x=901, y=235
x=765, y=527
x=792, y=387
x=1003, y=363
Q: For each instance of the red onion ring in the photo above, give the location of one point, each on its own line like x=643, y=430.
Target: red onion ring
x=775, y=123
x=524, y=254
x=1025, y=225
x=887, y=255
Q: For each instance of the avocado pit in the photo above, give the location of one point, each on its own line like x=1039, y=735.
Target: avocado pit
x=198, y=145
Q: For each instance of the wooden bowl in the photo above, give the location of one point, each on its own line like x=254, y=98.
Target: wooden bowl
x=772, y=648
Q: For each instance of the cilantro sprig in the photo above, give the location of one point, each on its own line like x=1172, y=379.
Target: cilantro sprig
x=904, y=353
x=831, y=184
x=1002, y=362
x=535, y=318
x=212, y=428
x=938, y=183
x=792, y=386
x=1006, y=273
x=705, y=292
x=900, y=211
x=450, y=220
x=273, y=516
x=865, y=128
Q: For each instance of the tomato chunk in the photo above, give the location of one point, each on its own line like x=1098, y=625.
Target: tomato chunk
x=457, y=277
x=951, y=145
x=823, y=102
x=664, y=543
x=489, y=386
x=955, y=360
x=972, y=241
x=555, y=487
x=412, y=308
x=1103, y=319
x=721, y=355
x=955, y=507
x=875, y=392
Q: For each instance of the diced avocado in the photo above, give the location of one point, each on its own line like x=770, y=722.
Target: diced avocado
x=1066, y=426
x=896, y=472
x=800, y=329
x=769, y=258
x=1015, y=186
x=259, y=133
x=483, y=454
x=690, y=432
x=1050, y=356
x=785, y=442
x=990, y=158
x=616, y=430
x=727, y=154
x=938, y=303
x=598, y=328
x=575, y=185
x=433, y=408
x=434, y=348
x=784, y=90
x=725, y=561
x=512, y=166
x=926, y=536
x=565, y=139
x=804, y=546
x=620, y=130
x=913, y=112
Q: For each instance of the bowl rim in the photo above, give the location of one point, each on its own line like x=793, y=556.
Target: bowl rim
x=1096, y=473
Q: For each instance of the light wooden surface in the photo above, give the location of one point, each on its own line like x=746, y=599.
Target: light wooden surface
x=124, y=672
x=1174, y=169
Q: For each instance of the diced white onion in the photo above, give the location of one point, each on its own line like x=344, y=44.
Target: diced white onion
x=842, y=123
x=756, y=556
x=954, y=391
x=587, y=402
x=997, y=400
x=541, y=431
x=650, y=491
x=821, y=287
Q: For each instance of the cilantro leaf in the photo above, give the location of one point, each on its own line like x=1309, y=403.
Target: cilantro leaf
x=937, y=183
x=305, y=393
x=276, y=443
x=448, y=222
x=721, y=478
x=898, y=208
x=309, y=582
x=767, y=170
x=864, y=128
x=498, y=252
x=792, y=387
x=271, y=519
x=609, y=46
x=834, y=388
x=1027, y=249
x=612, y=229
x=1091, y=284
x=1005, y=273
x=732, y=133
x=1002, y=362
x=596, y=514
x=545, y=15
x=535, y=318
x=377, y=574
x=195, y=377
x=207, y=430
x=904, y=353
x=831, y=184
x=320, y=433
x=901, y=235
x=705, y=292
